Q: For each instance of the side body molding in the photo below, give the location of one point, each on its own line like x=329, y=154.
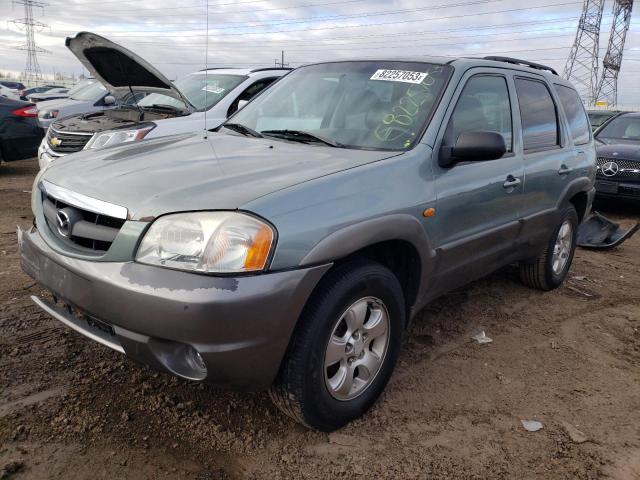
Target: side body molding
x=352, y=238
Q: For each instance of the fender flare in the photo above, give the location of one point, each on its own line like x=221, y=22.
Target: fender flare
x=350, y=239
x=579, y=185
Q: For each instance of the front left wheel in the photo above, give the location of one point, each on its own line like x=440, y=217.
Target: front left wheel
x=344, y=348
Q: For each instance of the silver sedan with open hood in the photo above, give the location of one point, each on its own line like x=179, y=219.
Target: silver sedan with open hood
x=168, y=107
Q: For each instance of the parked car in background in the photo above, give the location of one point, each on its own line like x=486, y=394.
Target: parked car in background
x=291, y=248
x=170, y=107
x=91, y=98
x=15, y=87
x=43, y=88
x=6, y=92
x=618, y=147
x=51, y=94
x=598, y=117
x=20, y=133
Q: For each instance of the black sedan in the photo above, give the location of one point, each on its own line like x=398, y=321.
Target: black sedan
x=20, y=134
x=618, y=148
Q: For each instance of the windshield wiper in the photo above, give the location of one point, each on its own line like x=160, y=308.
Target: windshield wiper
x=302, y=136
x=162, y=106
x=243, y=129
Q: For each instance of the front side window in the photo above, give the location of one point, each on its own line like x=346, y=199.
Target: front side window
x=202, y=90
x=576, y=115
x=370, y=104
x=538, y=115
x=483, y=106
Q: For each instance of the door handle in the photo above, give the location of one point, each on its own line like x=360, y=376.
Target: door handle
x=564, y=170
x=511, y=182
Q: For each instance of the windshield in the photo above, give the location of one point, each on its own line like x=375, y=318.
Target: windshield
x=78, y=86
x=90, y=92
x=621, y=128
x=203, y=91
x=372, y=105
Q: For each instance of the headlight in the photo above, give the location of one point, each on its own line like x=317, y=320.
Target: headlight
x=47, y=114
x=116, y=137
x=210, y=242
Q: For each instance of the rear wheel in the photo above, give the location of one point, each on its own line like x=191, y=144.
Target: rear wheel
x=344, y=348
x=549, y=270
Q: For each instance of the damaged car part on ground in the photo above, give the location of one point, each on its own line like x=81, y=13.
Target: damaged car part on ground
x=290, y=249
x=598, y=232
x=169, y=108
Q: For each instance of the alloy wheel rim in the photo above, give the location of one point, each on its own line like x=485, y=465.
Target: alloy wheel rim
x=356, y=348
x=562, y=247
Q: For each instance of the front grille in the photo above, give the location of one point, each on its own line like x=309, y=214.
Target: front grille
x=86, y=230
x=627, y=169
x=63, y=142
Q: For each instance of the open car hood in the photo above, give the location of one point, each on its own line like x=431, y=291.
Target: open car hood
x=118, y=68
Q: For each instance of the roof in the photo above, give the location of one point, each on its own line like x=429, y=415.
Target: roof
x=241, y=71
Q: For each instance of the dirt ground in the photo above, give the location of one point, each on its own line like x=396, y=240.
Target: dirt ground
x=72, y=409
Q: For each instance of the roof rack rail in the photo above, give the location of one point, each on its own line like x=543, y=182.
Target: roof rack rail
x=517, y=61
x=264, y=69
x=215, y=68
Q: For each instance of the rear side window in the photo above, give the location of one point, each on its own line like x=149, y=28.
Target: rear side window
x=577, y=117
x=538, y=115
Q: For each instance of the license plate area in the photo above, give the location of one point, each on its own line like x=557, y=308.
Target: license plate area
x=607, y=187
x=91, y=322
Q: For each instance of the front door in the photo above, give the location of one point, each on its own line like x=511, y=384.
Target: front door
x=478, y=203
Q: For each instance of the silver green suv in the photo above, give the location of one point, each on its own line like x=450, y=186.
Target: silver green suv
x=290, y=249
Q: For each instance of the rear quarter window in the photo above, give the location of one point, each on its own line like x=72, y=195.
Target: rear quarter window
x=576, y=114
x=538, y=115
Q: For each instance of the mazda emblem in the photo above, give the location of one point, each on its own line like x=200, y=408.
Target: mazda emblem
x=609, y=169
x=64, y=223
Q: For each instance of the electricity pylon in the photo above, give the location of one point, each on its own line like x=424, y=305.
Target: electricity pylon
x=607, y=87
x=32, y=69
x=582, y=64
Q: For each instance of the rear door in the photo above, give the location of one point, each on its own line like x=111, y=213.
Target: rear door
x=548, y=156
x=479, y=203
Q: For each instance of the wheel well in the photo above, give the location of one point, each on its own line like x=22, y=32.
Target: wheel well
x=401, y=258
x=579, y=201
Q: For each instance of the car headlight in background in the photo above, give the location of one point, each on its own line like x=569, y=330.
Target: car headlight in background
x=116, y=137
x=47, y=114
x=209, y=242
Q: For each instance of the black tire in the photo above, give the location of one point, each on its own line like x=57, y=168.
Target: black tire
x=300, y=390
x=539, y=273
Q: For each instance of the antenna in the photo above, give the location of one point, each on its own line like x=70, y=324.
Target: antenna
x=32, y=69
x=206, y=73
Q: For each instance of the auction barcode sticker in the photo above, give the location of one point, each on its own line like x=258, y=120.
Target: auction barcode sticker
x=399, y=76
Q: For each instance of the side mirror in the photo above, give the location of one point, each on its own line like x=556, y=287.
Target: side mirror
x=109, y=100
x=242, y=103
x=473, y=147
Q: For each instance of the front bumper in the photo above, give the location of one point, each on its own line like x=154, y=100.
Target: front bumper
x=617, y=189
x=240, y=326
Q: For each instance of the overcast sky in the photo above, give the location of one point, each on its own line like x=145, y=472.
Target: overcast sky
x=172, y=34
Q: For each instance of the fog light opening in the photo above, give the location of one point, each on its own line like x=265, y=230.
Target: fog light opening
x=195, y=361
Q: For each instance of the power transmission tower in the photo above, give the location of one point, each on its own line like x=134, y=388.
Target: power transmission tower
x=607, y=88
x=582, y=64
x=32, y=69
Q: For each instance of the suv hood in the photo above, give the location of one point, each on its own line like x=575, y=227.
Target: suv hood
x=188, y=172
x=619, y=150
x=118, y=68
